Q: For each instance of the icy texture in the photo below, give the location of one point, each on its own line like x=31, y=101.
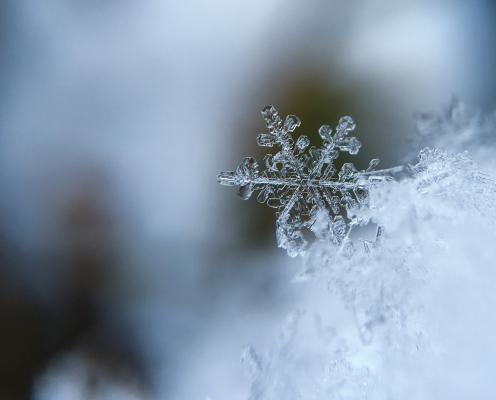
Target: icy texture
x=306, y=364
x=415, y=281
x=302, y=184
x=404, y=292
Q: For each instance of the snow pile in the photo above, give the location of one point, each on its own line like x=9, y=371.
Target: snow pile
x=409, y=311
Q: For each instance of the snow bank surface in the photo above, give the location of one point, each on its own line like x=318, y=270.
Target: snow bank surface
x=409, y=311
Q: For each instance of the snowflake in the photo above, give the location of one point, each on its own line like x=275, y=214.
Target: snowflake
x=302, y=183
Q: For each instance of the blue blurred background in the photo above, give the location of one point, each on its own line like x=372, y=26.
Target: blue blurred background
x=125, y=270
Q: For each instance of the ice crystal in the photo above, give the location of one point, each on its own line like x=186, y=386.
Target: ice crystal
x=435, y=230
x=397, y=292
x=302, y=184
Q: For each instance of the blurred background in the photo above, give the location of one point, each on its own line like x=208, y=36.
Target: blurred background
x=126, y=272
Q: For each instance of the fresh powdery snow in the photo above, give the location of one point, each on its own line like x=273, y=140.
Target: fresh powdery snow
x=409, y=253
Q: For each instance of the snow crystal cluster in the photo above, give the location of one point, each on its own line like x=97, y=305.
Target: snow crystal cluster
x=416, y=300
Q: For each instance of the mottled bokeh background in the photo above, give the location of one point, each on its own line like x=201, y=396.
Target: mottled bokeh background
x=126, y=272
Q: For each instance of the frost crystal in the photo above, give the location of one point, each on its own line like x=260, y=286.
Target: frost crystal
x=404, y=293
x=398, y=293
x=301, y=182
